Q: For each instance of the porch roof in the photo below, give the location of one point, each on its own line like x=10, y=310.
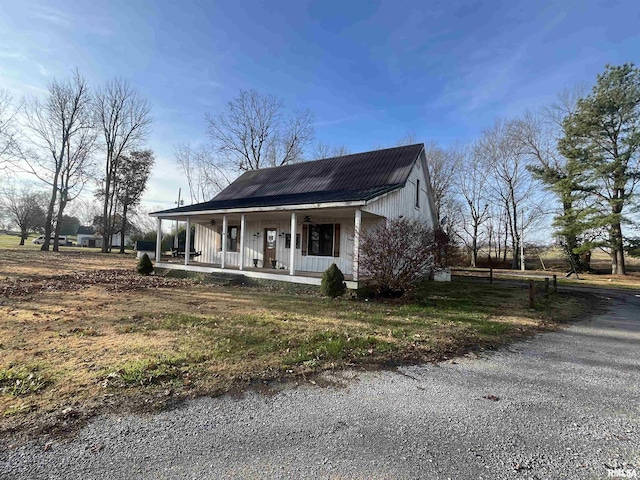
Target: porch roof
x=339, y=181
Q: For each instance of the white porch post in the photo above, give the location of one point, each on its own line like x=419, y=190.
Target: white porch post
x=292, y=250
x=187, y=242
x=241, y=256
x=158, y=239
x=223, y=239
x=356, y=243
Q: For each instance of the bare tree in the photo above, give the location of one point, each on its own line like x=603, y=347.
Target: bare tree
x=442, y=165
x=23, y=208
x=254, y=131
x=133, y=174
x=8, y=130
x=205, y=176
x=510, y=182
x=77, y=169
x=408, y=138
x=85, y=209
x=470, y=184
x=142, y=222
x=60, y=130
x=536, y=135
x=123, y=118
x=326, y=150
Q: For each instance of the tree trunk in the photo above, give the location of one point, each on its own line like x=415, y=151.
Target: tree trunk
x=23, y=237
x=506, y=241
x=571, y=240
x=474, y=246
x=617, y=250
x=47, y=225
x=63, y=204
x=123, y=227
x=106, y=221
x=515, y=237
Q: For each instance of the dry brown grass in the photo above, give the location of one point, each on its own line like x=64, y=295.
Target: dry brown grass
x=82, y=347
x=551, y=261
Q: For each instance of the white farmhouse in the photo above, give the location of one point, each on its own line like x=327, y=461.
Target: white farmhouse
x=290, y=223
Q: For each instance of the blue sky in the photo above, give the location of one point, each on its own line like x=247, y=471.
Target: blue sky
x=370, y=71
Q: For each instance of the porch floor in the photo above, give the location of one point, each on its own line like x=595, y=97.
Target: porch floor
x=309, y=278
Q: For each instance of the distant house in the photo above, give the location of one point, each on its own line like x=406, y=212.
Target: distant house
x=292, y=222
x=87, y=237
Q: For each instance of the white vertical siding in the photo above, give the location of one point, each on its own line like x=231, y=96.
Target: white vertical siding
x=207, y=241
x=403, y=201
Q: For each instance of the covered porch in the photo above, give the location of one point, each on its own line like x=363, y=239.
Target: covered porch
x=294, y=246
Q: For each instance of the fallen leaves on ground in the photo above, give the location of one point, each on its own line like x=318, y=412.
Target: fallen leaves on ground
x=114, y=280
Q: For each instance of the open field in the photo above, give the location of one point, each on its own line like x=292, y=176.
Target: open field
x=12, y=241
x=81, y=333
x=551, y=261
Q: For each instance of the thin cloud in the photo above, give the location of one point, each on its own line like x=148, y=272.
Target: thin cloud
x=52, y=15
x=337, y=121
x=43, y=70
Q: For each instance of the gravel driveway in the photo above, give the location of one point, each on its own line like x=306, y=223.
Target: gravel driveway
x=560, y=405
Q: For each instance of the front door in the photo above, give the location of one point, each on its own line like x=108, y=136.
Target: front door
x=270, y=235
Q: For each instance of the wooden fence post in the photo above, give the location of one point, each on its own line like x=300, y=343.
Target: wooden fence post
x=490, y=274
x=532, y=294
x=555, y=284
x=546, y=287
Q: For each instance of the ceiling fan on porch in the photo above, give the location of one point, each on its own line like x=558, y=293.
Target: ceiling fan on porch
x=306, y=220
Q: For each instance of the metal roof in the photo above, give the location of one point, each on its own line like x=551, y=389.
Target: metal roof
x=82, y=230
x=359, y=176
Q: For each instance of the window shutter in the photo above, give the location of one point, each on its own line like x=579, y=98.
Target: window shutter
x=336, y=242
x=305, y=235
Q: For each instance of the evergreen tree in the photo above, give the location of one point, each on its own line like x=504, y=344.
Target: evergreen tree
x=601, y=141
x=333, y=282
x=145, y=267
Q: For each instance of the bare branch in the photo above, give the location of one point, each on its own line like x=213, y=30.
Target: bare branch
x=124, y=119
x=205, y=175
x=60, y=131
x=254, y=132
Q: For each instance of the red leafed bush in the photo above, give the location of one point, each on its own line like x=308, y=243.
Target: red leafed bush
x=397, y=253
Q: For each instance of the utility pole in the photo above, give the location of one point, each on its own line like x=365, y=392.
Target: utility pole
x=179, y=203
x=522, y=243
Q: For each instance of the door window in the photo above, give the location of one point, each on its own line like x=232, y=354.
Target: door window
x=271, y=239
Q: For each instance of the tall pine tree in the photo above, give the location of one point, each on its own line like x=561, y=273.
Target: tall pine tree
x=601, y=141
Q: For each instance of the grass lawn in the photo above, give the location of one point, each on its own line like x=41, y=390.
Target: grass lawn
x=81, y=333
